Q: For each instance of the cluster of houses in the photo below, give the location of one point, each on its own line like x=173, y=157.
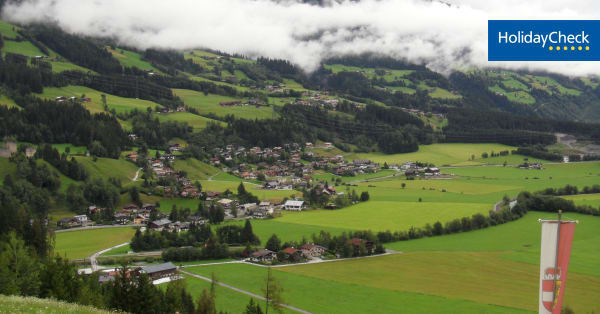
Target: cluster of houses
x=158, y=273
x=74, y=222
x=418, y=112
x=160, y=167
x=412, y=169
x=530, y=165
x=250, y=101
x=10, y=147
x=166, y=110
x=289, y=173
x=72, y=98
x=306, y=251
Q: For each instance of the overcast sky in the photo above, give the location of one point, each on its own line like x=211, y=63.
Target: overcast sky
x=442, y=36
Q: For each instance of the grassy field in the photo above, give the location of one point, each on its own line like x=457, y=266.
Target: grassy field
x=74, y=150
x=485, y=271
x=6, y=167
x=8, y=30
x=120, y=104
x=107, y=167
x=17, y=304
x=21, y=47
x=210, y=104
x=444, y=154
x=381, y=215
x=131, y=59
x=393, y=207
x=195, y=121
x=196, y=170
x=585, y=199
x=335, y=296
x=83, y=243
x=5, y=101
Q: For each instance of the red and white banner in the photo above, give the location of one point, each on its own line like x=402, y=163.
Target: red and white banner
x=554, y=263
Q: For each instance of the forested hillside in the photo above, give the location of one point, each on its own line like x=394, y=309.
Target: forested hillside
x=361, y=103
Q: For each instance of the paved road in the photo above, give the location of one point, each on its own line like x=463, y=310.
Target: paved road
x=99, y=227
x=94, y=256
x=136, y=175
x=289, y=307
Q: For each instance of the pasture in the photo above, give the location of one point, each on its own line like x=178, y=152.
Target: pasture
x=195, y=169
x=195, y=121
x=25, y=48
x=585, y=199
x=393, y=207
x=335, y=296
x=119, y=104
x=384, y=215
x=489, y=270
x=107, y=167
x=131, y=59
x=5, y=101
x=83, y=243
x=211, y=104
x=454, y=154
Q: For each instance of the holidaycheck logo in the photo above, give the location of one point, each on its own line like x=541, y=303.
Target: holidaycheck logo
x=543, y=40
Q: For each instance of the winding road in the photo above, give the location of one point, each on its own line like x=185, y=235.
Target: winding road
x=136, y=175
x=93, y=258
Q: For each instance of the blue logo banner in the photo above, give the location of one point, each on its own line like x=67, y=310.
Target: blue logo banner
x=543, y=40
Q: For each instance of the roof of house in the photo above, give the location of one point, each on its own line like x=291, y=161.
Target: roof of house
x=158, y=268
x=262, y=252
x=161, y=222
x=290, y=250
x=294, y=203
x=355, y=241
x=264, y=203
x=310, y=246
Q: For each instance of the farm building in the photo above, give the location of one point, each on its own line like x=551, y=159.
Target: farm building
x=160, y=271
x=263, y=255
x=159, y=225
x=312, y=250
x=294, y=205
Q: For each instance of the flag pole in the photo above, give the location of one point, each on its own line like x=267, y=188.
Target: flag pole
x=554, y=292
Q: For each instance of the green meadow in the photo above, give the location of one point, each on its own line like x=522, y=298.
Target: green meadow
x=445, y=154
x=21, y=47
x=120, y=104
x=393, y=207
x=317, y=295
x=107, y=167
x=131, y=59
x=84, y=243
x=8, y=30
x=490, y=270
x=30, y=305
x=585, y=199
x=381, y=215
x=211, y=104
x=5, y=101
x=195, y=121
x=195, y=169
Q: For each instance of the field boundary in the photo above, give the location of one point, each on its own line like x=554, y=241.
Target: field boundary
x=289, y=307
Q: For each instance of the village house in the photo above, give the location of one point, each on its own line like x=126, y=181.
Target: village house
x=291, y=253
x=159, y=225
x=263, y=256
x=226, y=203
x=68, y=222
x=294, y=205
x=312, y=250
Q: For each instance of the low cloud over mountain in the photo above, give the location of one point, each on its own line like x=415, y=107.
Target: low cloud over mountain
x=443, y=35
